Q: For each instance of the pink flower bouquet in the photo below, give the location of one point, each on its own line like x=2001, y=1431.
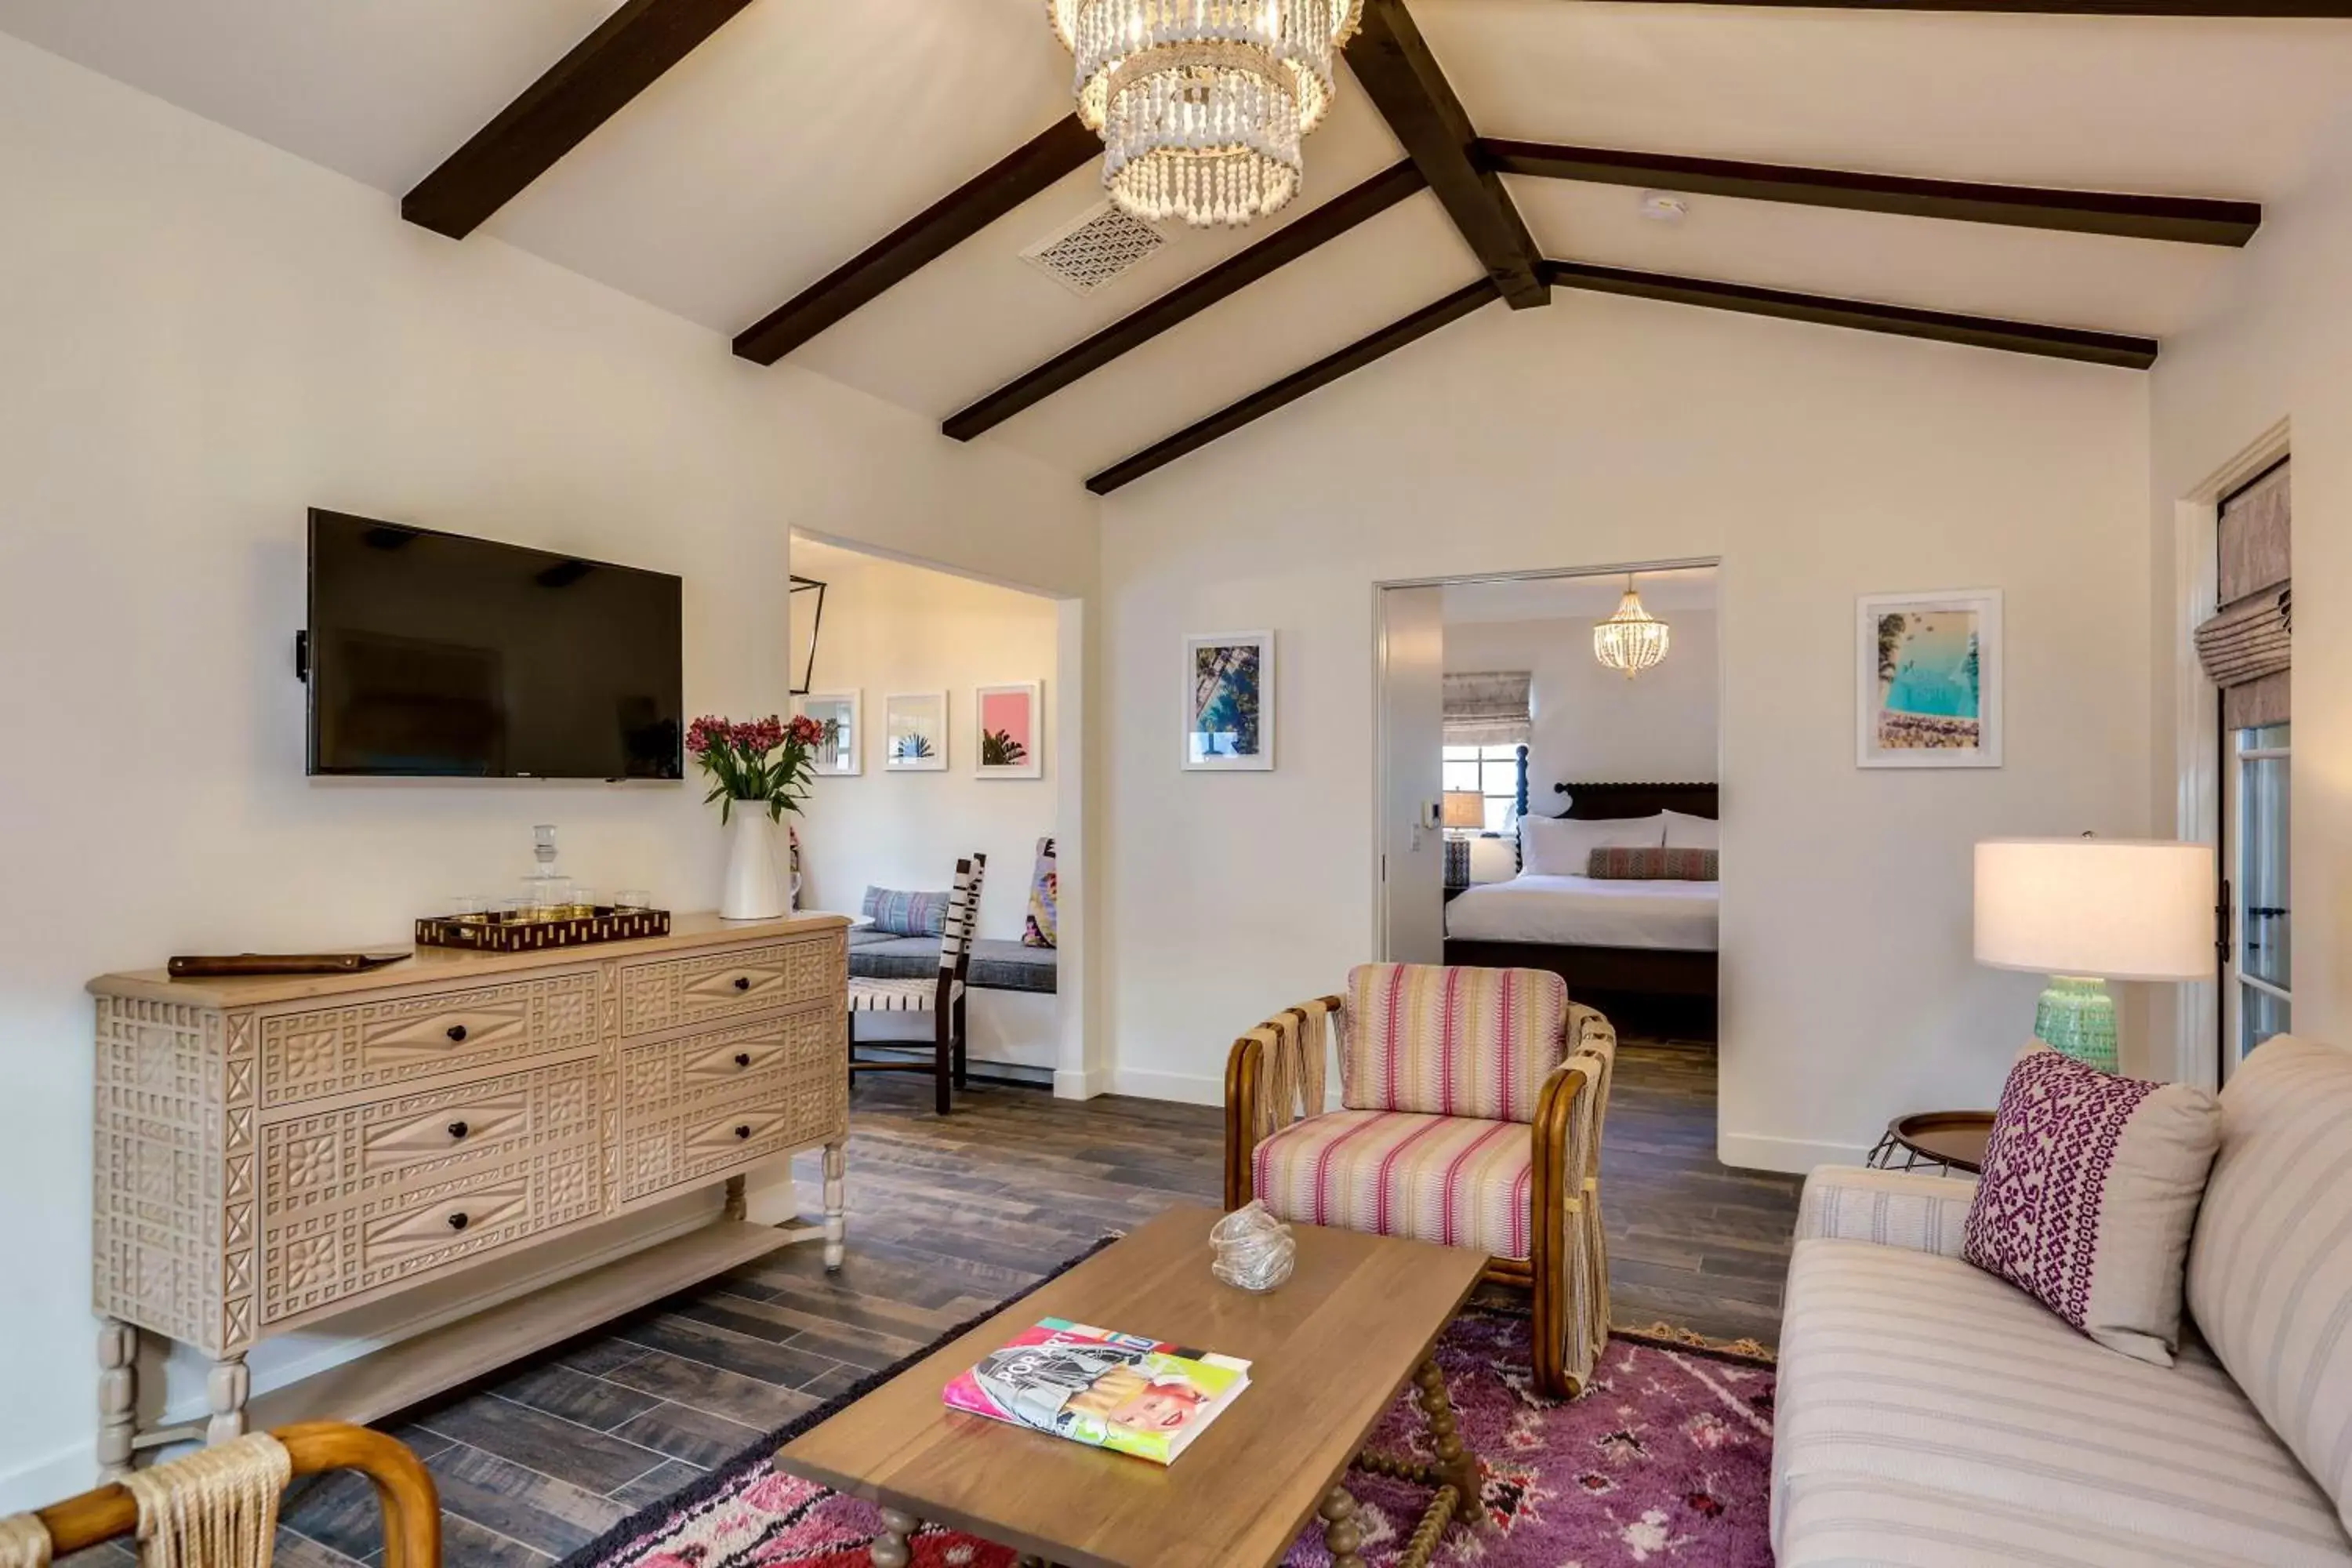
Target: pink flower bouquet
x=767, y=762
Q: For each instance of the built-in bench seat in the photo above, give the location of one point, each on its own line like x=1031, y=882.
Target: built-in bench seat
x=996, y=964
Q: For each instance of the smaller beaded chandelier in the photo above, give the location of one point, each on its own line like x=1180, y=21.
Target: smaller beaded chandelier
x=1632, y=639
x=1201, y=104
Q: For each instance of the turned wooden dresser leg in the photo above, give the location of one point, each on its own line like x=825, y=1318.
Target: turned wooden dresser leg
x=226, y=1391
x=891, y=1551
x=837, y=1204
x=118, y=1397
x=1341, y=1534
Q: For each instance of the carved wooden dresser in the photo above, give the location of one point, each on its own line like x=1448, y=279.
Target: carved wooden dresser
x=272, y=1152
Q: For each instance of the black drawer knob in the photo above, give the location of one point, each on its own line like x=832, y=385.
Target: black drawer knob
x=459, y=1221
x=458, y=1130
x=744, y=1130
x=742, y=982
x=742, y=1059
x=457, y=1033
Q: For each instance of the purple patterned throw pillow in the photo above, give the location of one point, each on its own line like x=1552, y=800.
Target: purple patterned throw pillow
x=2090, y=1190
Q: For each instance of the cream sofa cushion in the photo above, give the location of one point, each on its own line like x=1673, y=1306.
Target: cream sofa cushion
x=2270, y=1269
x=1906, y=1372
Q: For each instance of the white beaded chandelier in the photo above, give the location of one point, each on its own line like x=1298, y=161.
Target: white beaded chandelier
x=1201, y=104
x=1632, y=639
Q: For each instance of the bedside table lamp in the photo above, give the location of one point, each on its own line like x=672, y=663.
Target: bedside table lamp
x=1465, y=814
x=2088, y=910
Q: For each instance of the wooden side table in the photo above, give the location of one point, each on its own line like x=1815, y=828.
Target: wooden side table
x=1947, y=1140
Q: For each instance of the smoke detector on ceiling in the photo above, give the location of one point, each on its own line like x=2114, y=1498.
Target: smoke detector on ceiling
x=1103, y=246
x=1665, y=207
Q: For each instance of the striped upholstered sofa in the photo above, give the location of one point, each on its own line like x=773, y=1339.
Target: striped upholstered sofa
x=1930, y=1414
x=1473, y=1100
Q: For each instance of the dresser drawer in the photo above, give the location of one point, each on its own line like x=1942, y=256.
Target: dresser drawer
x=386, y=1044
x=670, y=993
x=694, y=1106
x=317, y=1256
x=336, y=1156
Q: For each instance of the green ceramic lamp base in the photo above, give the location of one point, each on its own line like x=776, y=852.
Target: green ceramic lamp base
x=2077, y=1015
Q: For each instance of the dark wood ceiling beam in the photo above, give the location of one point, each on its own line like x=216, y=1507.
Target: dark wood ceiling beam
x=1393, y=62
x=1180, y=304
x=2239, y=10
x=1903, y=321
x=2192, y=220
x=1296, y=386
x=580, y=91
x=921, y=240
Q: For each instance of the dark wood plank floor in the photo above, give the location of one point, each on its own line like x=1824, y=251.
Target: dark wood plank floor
x=947, y=1217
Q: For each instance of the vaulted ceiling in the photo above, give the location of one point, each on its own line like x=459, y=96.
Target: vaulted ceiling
x=859, y=180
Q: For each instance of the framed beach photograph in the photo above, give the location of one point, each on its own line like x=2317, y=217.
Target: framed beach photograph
x=1011, y=739
x=915, y=732
x=1927, y=680
x=1229, y=704
x=839, y=757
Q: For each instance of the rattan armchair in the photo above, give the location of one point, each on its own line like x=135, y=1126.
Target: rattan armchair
x=1420, y=1047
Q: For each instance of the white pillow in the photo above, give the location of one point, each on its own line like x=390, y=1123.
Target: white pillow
x=1563, y=847
x=1687, y=832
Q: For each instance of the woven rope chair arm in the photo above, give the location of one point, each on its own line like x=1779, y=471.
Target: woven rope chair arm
x=412, y=1508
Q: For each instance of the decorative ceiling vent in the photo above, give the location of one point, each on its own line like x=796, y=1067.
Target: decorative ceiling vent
x=1097, y=250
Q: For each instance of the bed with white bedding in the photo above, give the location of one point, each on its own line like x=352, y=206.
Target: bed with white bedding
x=1643, y=951
x=1587, y=912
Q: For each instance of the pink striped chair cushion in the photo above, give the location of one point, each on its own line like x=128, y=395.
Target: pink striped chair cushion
x=1451, y=1042
x=1453, y=1180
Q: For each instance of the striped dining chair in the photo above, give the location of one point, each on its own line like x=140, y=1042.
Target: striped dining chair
x=1472, y=1104
x=941, y=997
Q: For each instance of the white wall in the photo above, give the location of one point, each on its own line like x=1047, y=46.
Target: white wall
x=1592, y=723
x=205, y=336
x=2275, y=344
x=1818, y=465
x=889, y=626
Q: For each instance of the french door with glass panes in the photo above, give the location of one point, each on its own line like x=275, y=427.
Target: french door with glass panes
x=2258, y=998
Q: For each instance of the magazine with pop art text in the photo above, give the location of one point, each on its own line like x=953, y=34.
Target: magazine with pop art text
x=1144, y=1397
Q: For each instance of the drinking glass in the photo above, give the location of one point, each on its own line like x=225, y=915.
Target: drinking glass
x=630, y=898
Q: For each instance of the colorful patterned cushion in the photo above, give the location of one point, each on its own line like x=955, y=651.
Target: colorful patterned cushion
x=1042, y=928
x=2269, y=1274
x=906, y=914
x=1652, y=864
x=1454, y=1180
x=2090, y=1188
x=1450, y=1042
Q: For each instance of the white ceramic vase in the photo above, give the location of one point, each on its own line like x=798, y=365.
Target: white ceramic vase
x=754, y=891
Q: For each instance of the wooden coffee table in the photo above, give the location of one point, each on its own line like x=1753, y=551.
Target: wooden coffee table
x=1329, y=1352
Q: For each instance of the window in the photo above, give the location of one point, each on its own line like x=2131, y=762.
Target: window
x=2260, y=953
x=1493, y=772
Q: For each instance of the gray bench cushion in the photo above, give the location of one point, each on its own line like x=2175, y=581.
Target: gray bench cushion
x=996, y=965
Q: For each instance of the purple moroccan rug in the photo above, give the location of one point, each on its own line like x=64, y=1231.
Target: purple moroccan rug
x=1666, y=1460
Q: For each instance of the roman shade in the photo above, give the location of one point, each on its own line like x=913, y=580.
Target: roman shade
x=1488, y=708
x=2245, y=647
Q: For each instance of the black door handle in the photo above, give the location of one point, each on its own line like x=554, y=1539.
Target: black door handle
x=742, y=1059
x=458, y=1130
x=457, y=1033
x=458, y=1221
x=742, y=982
x=744, y=1130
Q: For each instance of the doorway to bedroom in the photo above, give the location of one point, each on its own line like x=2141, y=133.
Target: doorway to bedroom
x=1548, y=800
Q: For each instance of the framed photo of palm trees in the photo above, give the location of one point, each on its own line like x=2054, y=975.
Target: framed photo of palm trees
x=1010, y=743
x=1229, y=704
x=915, y=732
x=838, y=755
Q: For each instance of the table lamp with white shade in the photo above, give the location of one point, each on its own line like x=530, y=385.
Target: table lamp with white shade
x=2087, y=910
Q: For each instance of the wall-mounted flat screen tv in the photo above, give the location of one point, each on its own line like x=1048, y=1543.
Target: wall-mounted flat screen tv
x=437, y=655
